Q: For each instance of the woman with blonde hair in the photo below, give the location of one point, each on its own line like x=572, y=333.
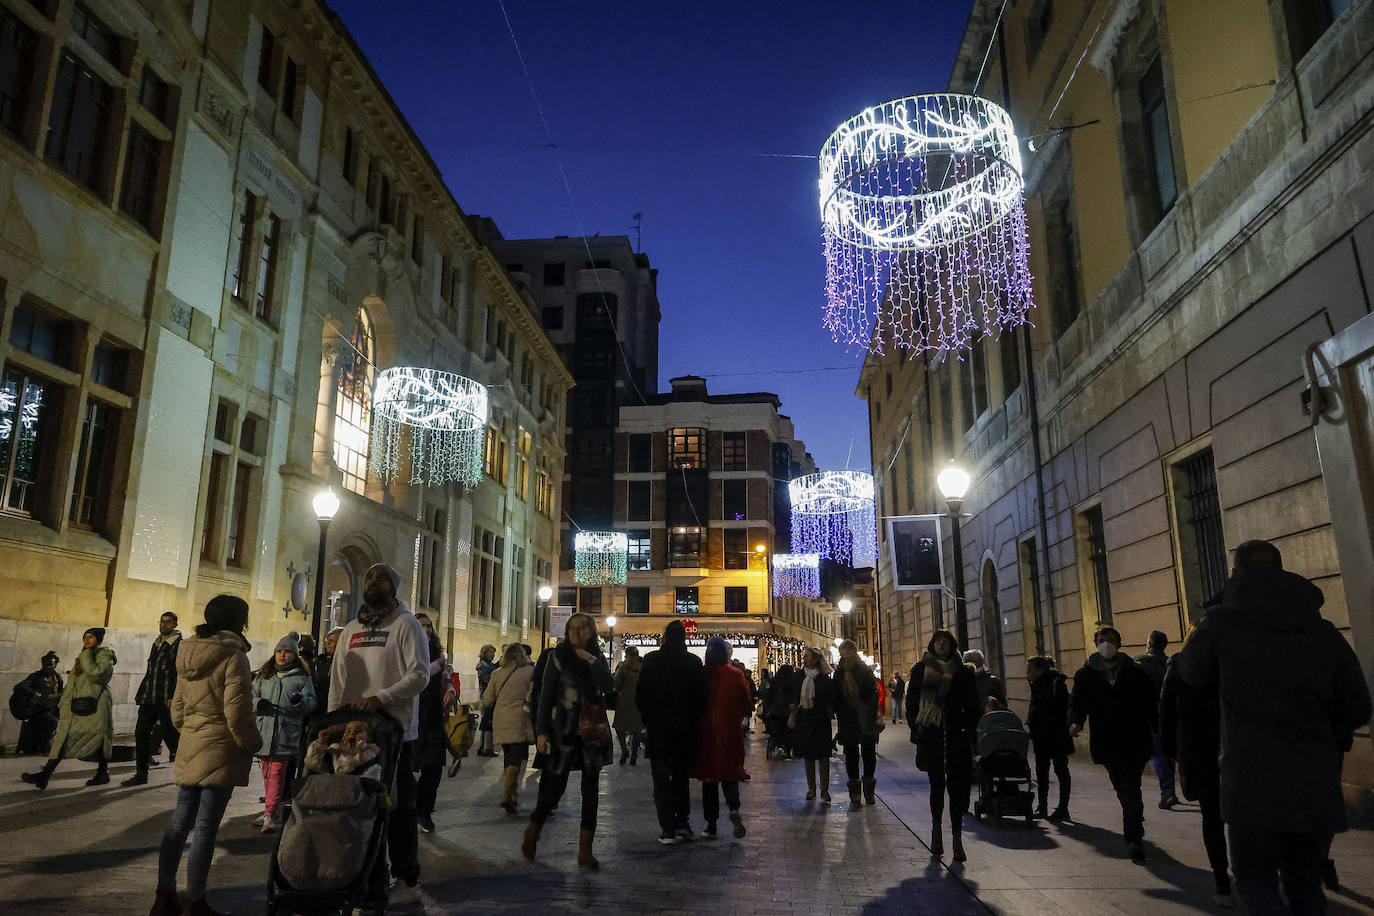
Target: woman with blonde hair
x=811, y=736
x=510, y=724
x=572, y=730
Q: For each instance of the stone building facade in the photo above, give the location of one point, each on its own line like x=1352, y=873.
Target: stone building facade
x=1200, y=197
x=215, y=229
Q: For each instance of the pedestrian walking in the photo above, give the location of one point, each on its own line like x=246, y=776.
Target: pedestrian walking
x=382, y=662
x=1117, y=700
x=859, y=722
x=431, y=747
x=809, y=721
x=897, y=689
x=629, y=724
x=154, y=699
x=672, y=697
x=85, y=726
x=573, y=732
x=35, y=702
x=990, y=686
x=720, y=737
x=777, y=710
x=1291, y=694
x=283, y=696
x=510, y=724
x=753, y=693
x=1190, y=734
x=213, y=708
x=1155, y=663
x=1047, y=721
x=486, y=666
x=943, y=716
x=322, y=665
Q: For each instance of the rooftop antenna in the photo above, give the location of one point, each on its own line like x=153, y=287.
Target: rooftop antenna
x=639, y=230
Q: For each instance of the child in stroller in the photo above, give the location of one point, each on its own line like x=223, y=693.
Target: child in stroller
x=1004, y=780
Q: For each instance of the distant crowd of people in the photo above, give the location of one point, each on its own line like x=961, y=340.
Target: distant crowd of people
x=1260, y=754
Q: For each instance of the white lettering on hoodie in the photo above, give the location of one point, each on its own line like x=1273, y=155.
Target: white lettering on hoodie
x=389, y=662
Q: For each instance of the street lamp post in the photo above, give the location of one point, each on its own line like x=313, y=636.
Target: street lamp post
x=326, y=505
x=610, y=643
x=545, y=593
x=953, y=482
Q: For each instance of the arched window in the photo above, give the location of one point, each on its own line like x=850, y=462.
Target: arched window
x=353, y=407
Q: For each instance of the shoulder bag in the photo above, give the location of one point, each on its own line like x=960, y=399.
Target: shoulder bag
x=83, y=706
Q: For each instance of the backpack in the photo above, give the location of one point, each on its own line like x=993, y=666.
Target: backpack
x=23, y=702
x=325, y=843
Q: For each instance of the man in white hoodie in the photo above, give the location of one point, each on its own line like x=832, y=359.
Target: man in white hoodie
x=382, y=662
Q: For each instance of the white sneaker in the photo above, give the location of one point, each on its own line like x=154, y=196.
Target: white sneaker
x=403, y=894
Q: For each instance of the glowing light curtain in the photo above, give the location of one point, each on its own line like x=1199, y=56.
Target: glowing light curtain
x=601, y=558
x=925, y=225
x=833, y=515
x=796, y=575
x=443, y=417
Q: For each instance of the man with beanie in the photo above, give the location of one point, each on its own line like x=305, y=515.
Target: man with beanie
x=382, y=662
x=154, y=699
x=1156, y=663
x=671, y=696
x=38, y=696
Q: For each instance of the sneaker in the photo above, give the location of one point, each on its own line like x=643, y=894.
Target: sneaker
x=403, y=894
x=138, y=779
x=710, y=831
x=738, y=821
x=684, y=832
x=1224, y=901
x=1137, y=851
x=426, y=822
x=260, y=820
x=1168, y=801
x=667, y=838
x=271, y=824
x=825, y=796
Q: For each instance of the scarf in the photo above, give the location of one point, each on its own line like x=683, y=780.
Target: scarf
x=939, y=674
x=847, y=684
x=808, y=689
x=370, y=616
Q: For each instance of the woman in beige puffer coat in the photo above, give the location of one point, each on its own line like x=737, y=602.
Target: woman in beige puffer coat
x=213, y=707
x=510, y=721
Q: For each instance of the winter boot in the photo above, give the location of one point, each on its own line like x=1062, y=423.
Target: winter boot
x=738, y=823
x=870, y=791
x=937, y=842
x=166, y=904
x=508, y=796
x=810, y=780
x=956, y=839
x=856, y=797
x=102, y=774
x=530, y=844
x=41, y=777
x=140, y=778
x=584, y=850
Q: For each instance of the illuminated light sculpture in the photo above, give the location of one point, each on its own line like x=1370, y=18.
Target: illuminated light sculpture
x=833, y=515
x=443, y=415
x=601, y=558
x=796, y=575
x=925, y=225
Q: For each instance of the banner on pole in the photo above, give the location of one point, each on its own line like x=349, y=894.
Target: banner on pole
x=558, y=620
x=917, y=552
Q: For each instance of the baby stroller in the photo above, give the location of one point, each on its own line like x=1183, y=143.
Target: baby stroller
x=460, y=729
x=1004, y=779
x=331, y=853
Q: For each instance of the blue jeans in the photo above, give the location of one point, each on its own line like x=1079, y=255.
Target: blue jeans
x=1164, y=770
x=896, y=709
x=201, y=807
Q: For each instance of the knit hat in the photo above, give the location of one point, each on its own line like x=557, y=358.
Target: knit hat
x=98, y=633
x=291, y=642
x=51, y=655
x=717, y=651
x=391, y=574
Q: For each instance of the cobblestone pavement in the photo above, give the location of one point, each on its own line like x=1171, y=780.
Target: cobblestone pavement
x=74, y=850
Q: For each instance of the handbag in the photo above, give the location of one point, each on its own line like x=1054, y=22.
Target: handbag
x=83, y=706
x=593, y=725
x=792, y=718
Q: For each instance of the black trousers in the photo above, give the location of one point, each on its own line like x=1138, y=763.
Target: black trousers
x=1061, y=773
x=957, y=782
x=1125, y=779
x=710, y=799
x=427, y=786
x=552, y=786
x=868, y=748
x=1263, y=857
x=150, y=716
x=672, y=798
x=1214, y=837
x=403, y=833
x=35, y=735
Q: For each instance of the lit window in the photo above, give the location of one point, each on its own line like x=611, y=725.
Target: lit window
x=352, y=412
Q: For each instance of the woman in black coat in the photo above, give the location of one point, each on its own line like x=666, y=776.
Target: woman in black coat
x=1048, y=724
x=858, y=722
x=811, y=736
x=777, y=706
x=943, y=709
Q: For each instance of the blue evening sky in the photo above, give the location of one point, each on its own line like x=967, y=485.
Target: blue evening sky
x=692, y=113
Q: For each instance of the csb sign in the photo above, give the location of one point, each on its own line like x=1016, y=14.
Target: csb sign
x=691, y=626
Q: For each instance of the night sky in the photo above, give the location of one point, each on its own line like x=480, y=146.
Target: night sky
x=704, y=116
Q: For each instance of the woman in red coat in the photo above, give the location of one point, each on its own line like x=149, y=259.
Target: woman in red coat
x=720, y=736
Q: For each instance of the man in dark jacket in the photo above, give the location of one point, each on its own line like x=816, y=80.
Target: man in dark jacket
x=38, y=694
x=1118, y=701
x=1291, y=696
x=989, y=684
x=1155, y=663
x=671, y=696
x=154, y=699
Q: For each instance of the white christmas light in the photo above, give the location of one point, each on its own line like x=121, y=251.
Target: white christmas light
x=443, y=415
x=601, y=558
x=796, y=575
x=833, y=515
x=925, y=236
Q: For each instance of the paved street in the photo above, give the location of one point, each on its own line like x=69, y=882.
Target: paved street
x=74, y=850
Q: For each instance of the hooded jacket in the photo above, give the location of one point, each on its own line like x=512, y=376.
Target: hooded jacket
x=627, y=717
x=87, y=737
x=1291, y=694
x=290, y=695
x=213, y=707
x=389, y=661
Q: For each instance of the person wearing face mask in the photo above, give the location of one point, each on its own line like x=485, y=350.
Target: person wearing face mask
x=1118, y=701
x=942, y=713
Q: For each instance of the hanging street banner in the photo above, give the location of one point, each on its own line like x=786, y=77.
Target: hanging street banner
x=558, y=620
x=917, y=552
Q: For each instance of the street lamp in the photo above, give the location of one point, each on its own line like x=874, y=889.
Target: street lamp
x=953, y=482
x=545, y=593
x=845, y=605
x=610, y=643
x=326, y=505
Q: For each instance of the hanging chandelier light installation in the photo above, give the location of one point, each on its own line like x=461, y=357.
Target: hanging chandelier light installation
x=796, y=575
x=601, y=558
x=925, y=225
x=443, y=415
x=833, y=515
